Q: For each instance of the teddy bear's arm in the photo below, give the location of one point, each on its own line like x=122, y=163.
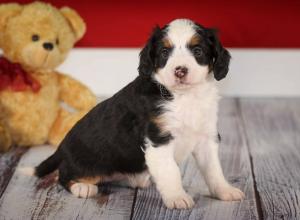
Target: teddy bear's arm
x=76, y=95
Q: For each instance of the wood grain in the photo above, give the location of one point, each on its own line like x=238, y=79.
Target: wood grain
x=236, y=165
x=269, y=128
x=27, y=197
x=8, y=162
x=273, y=128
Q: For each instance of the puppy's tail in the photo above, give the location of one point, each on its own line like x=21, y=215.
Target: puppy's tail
x=46, y=167
x=49, y=165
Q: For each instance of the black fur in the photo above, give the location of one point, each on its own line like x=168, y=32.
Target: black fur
x=220, y=54
x=214, y=54
x=152, y=56
x=147, y=55
x=111, y=136
x=49, y=165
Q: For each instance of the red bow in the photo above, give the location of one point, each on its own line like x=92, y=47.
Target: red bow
x=13, y=76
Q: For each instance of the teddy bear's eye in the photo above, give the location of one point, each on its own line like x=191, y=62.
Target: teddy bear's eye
x=35, y=37
x=57, y=41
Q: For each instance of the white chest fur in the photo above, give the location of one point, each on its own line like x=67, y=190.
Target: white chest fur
x=190, y=116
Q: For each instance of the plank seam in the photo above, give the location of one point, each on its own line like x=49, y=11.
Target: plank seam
x=256, y=193
x=133, y=203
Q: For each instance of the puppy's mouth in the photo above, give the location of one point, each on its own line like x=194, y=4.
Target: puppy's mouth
x=182, y=81
x=181, y=84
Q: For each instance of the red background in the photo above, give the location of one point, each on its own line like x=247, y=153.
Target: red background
x=252, y=24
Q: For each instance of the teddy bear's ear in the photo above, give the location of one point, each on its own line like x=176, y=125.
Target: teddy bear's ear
x=6, y=12
x=76, y=22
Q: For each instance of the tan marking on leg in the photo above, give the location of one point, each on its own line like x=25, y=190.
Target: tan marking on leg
x=101, y=179
x=91, y=180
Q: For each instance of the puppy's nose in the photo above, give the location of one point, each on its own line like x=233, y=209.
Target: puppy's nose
x=180, y=71
x=48, y=46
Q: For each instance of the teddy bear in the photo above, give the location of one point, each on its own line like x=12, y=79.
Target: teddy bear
x=35, y=38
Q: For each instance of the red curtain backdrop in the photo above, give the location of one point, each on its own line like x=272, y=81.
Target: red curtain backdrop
x=250, y=24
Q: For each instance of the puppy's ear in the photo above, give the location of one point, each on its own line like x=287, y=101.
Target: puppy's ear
x=221, y=56
x=147, y=55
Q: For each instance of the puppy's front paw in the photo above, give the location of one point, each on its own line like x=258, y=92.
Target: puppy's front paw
x=229, y=193
x=83, y=190
x=179, y=201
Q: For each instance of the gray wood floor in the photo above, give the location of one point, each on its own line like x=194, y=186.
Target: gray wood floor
x=260, y=154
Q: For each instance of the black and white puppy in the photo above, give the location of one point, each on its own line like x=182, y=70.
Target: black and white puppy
x=145, y=130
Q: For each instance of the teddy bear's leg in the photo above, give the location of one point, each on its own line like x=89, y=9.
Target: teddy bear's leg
x=64, y=122
x=5, y=139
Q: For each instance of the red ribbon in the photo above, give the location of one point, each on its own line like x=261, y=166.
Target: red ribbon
x=13, y=76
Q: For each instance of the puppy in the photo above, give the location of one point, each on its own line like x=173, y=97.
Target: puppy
x=145, y=130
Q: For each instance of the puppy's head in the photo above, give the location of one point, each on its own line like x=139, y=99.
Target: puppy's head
x=182, y=54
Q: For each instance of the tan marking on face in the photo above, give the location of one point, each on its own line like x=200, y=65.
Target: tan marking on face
x=167, y=43
x=194, y=40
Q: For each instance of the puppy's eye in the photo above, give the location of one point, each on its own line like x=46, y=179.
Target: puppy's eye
x=35, y=37
x=165, y=53
x=197, y=51
x=57, y=41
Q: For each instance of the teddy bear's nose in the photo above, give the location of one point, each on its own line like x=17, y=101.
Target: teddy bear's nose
x=48, y=46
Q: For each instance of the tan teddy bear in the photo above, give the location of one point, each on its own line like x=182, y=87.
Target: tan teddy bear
x=35, y=39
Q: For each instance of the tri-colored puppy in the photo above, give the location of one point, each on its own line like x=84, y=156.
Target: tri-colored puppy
x=145, y=130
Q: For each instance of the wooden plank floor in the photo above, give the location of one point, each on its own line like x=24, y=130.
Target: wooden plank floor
x=272, y=128
x=259, y=151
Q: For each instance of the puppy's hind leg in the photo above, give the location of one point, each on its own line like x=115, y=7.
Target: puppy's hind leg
x=85, y=187
x=82, y=187
x=83, y=190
